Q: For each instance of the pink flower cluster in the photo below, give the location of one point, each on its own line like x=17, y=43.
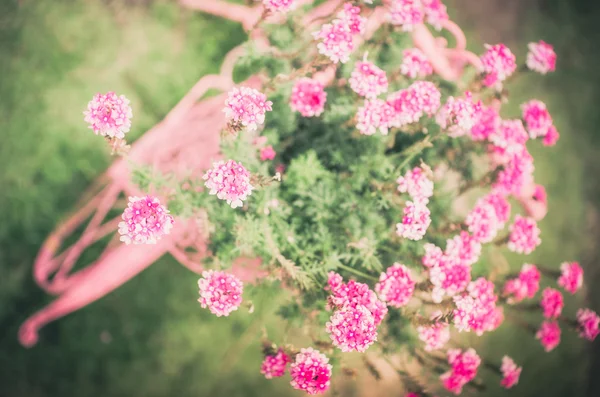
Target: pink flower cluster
x=415, y=222
x=267, y=153
x=510, y=136
x=549, y=335
x=416, y=183
x=487, y=124
x=537, y=118
x=435, y=13
x=230, y=181
x=274, y=366
x=588, y=322
x=459, y=115
x=353, y=294
x=337, y=38
x=552, y=303
x=375, y=114
x=415, y=64
x=516, y=175
x=498, y=63
x=551, y=136
x=396, y=286
x=465, y=247
x=476, y=310
x=487, y=217
x=541, y=57
x=368, y=80
x=406, y=13
x=247, y=106
x=571, y=277
x=308, y=97
x=352, y=328
x=463, y=369
x=279, y=5
x=524, y=235
x=109, y=115
x=410, y=104
x=524, y=286
x=145, y=221
x=510, y=373
x=435, y=335
x=311, y=371
x=221, y=292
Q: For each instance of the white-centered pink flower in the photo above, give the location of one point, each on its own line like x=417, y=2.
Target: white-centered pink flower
x=375, y=115
x=417, y=184
x=476, y=310
x=465, y=247
x=396, y=286
x=524, y=235
x=541, y=57
x=230, y=181
x=145, y=221
x=459, y=115
x=571, y=276
x=109, y=115
x=435, y=13
x=367, y=80
x=537, y=118
x=415, y=222
x=220, y=292
x=336, y=39
x=311, y=372
x=247, y=107
x=483, y=223
x=510, y=372
x=308, y=97
x=449, y=278
x=511, y=136
x=435, y=336
x=498, y=63
x=352, y=328
x=406, y=13
x=415, y=64
x=353, y=294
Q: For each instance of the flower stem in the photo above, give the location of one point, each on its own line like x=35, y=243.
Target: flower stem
x=357, y=272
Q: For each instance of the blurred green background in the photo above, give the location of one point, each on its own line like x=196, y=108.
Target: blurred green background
x=149, y=338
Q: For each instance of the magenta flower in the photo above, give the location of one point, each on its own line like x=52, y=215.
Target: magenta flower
x=415, y=64
x=476, y=310
x=352, y=328
x=524, y=286
x=274, y=366
x=374, y=115
x=406, y=13
x=410, y=104
x=247, y=106
x=549, y=335
x=552, y=303
x=367, y=80
x=311, y=371
x=463, y=369
x=551, y=137
x=109, y=115
x=459, y=115
x=541, y=57
x=524, y=235
x=230, y=181
x=267, y=153
x=483, y=222
x=435, y=13
x=537, y=118
x=337, y=38
x=498, y=64
x=510, y=136
x=353, y=294
x=351, y=16
x=396, y=286
x=145, y=221
x=501, y=206
x=510, y=372
x=279, y=5
x=571, y=277
x=464, y=247
x=486, y=125
x=221, y=292
x=516, y=174
x=588, y=322
x=308, y=97
x=416, y=183
x=435, y=336
x=415, y=222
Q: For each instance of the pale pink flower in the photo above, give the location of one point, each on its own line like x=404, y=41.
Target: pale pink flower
x=551, y=137
x=308, y=97
x=510, y=372
x=353, y=294
x=536, y=117
x=524, y=286
x=396, y=286
x=459, y=115
x=274, y=366
x=571, y=277
x=230, y=181
x=352, y=328
x=427, y=97
x=524, y=235
x=501, y=206
x=549, y=335
x=368, y=80
x=449, y=278
x=483, y=222
x=510, y=136
x=145, y=221
x=464, y=366
x=498, y=63
x=375, y=114
x=588, y=322
x=435, y=12
x=337, y=38
x=415, y=222
x=247, y=106
x=416, y=183
x=435, y=335
x=541, y=57
x=486, y=125
x=267, y=153
x=464, y=247
x=109, y=115
x=406, y=13
x=476, y=310
x=516, y=175
x=351, y=16
x=415, y=64
x=552, y=303
x=311, y=371
x=433, y=255
x=221, y=292
x=279, y=5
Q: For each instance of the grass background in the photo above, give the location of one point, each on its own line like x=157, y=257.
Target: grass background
x=149, y=338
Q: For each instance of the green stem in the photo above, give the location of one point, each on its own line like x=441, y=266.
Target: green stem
x=357, y=272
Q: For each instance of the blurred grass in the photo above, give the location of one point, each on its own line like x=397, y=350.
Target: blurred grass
x=149, y=338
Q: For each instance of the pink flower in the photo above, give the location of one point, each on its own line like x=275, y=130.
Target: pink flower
x=145, y=221
x=588, y=322
x=274, y=366
x=230, y=181
x=353, y=294
x=487, y=124
x=406, y=13
x=464, y=247
x=415, y=222
x=449, y=277
x=524, y=286
x=267, y=153
x=539, y=194
x=483, y=222
x=416, y=183
x=435, y=12
x=541, y=57
x=352, y=329
x=571, y=277
x=524, y=235
x=311, y=371
x=516, y=175
x=549, y=335
x=551, y=137
x=415, y=64
x=368, y=80
x=351, y=16
x=109, y=115
x=510, y=372
x=435, y=336
x=552, y=303
x=247, y=106
x=433, y=255
x=537, y=118
x=501, y=206
x=374, y=115
x=396, y=286
x=426, y=96
x=510, y=136
x=463, y=369
x=476, y=310
x=337, y=37
x=279, y=5
x=308, y=97
x=221, y=292
x=459, y=115
x=498, y=64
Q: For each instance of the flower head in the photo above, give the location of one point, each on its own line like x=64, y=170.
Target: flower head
x=459, y=115
x=486, y=125
x=552, y=303
x=308, y=97
x=337, y=38
x=368, y=80
x=537, y=118
x=221, y=292
x=351, y=16
x=415, y=222
x=279, y=5
x=465, y=247
x=406, y=13
x=449, y=277
x=267, y=153
x=352, y=328
x=410, y=104
x=435, y=12
x=476, y=310
x=510, y=372
x=541, y=57
x=435, y=335
x=353, y=294
x=549, y=335
x=109, y=115
x=588, y=322
x=551, y=137
x=374, y=115
x=247, y=106
x=416, y=183
x=501, y=206
x=524, y=235
x=230, y=181
x=415, y=64
x=524, y=286
x=145, y=221
x=463, y=369
x=396, y=286
x=571, y=276
x=498, y=64
x=274, y=366
x=510, y=136
x=517, y=173
x=311, y=371
x=483, y=223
